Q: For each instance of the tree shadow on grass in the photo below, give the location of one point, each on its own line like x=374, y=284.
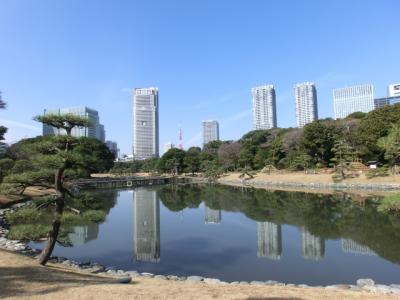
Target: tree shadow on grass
x=31, y=281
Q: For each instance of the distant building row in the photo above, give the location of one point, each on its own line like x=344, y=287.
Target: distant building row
x=264, y=105
x=210, y=133
x=346, y=100
x=361, y=98
x=145, y=105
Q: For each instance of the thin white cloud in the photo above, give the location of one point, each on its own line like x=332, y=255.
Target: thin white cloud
x=194, y=140
x=236, y=117
x=216, y=101
x=10, y=124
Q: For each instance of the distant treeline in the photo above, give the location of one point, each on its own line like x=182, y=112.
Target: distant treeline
x=373, y=136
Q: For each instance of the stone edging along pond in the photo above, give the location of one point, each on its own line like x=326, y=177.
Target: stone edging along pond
x=121, y=276
x=331, y=186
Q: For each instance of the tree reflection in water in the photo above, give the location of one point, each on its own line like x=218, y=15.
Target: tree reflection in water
x=321, y=217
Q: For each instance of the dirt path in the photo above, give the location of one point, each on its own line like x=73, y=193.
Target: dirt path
x=21, y=277
x=300, y=177
x=29, y=193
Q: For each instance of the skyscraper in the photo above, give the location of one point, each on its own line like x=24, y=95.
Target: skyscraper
x=147, y=225
x=306, y=103
x=210, y=131
x=94, y=130
x=264, y=107
x=353, y=99
x=145, y=123
x=212, y=216
x=351, y=246
x=313, y=247
x=269, y=240
x=83, y=234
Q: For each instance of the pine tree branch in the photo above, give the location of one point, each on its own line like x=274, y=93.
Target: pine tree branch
x=46, y=203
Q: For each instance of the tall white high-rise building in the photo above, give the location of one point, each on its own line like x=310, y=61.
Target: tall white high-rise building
x=210, y=131
x=146, y=233
x=394, y=90
x=83, y=234
x=212, y=216
x=353, y=99
x=306, y=103
x=264, y=107
x=145, y=123
x=312, y=246
x=351, y=246
x=94, y=130
x=269, y=240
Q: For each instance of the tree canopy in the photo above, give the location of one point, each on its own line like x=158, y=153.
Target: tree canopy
x=63, y=121
x=3, y=129
x=50, y=161
x=314, y=146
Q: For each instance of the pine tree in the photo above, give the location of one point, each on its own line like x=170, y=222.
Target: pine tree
x=343, y=154
x=53, y=158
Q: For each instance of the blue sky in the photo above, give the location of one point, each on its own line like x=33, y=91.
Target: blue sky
x=204, y=56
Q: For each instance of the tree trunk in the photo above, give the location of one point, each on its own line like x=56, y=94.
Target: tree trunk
x=53, y=233
x=51, y=242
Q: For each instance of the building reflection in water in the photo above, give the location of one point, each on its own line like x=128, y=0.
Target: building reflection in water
x=83, y=234
x=313, y=247
x=147, y=225
x=212, y=216
x=269, y=240
x=350, y=246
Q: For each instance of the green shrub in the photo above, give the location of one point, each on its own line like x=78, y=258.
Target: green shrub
x=39, y=200
x=70, y=218
x=21, y=166
x=9, y=189
x=94, y=215
x=25, y=216
x=390, y=203
x=28, y=232
x=378, y=172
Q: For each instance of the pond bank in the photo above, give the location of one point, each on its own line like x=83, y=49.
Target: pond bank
x=301, y=181
x=361, y=286
x=22, y=277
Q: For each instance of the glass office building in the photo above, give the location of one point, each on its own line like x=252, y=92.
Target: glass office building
x=348, y=100
x=94, y=130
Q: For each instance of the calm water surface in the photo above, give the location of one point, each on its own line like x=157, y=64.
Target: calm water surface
x=232, y=235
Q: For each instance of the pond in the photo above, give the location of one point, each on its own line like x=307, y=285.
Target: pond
x=234, y=234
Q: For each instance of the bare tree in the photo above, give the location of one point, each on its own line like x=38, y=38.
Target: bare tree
x=228, y=155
